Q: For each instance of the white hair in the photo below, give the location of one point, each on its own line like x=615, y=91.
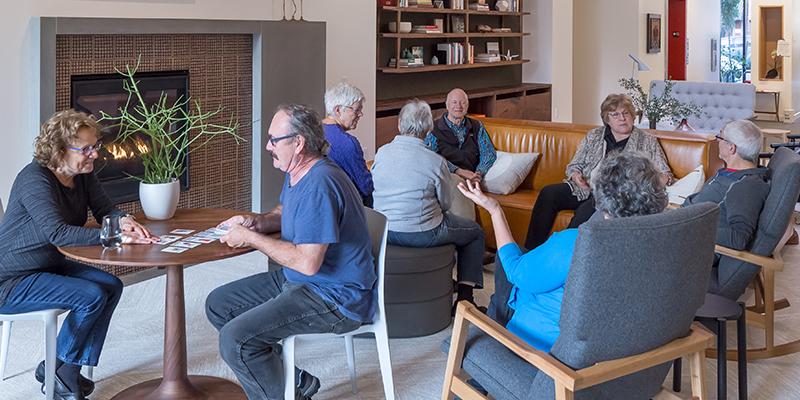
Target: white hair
x=415, y=119
x=746, y=136
x=342, y=94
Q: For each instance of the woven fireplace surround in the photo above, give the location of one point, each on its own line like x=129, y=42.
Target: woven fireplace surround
x=220, y=74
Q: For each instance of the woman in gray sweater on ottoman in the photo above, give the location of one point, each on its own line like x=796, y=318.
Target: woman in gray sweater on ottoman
x=411, y=190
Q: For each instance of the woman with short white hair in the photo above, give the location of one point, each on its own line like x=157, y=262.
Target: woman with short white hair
x=412, y=191
x=344, y=104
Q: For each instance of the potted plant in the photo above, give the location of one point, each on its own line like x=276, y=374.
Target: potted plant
x=174, y=131
x=663, y=106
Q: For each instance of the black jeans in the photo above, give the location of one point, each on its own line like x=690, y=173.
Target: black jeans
x=551, y=200
x=254, y=314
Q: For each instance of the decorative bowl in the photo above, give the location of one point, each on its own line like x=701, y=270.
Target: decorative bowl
x=405, y=27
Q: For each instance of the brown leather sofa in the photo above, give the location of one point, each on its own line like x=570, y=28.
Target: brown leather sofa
x=556, y=143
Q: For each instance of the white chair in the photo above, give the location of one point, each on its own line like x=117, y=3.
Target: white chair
x=50, y=319
x=377, y=226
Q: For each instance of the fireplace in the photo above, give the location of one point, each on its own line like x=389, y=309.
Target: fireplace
x=119, y=163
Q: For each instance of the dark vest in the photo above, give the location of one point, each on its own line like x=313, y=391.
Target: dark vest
x=465, y=157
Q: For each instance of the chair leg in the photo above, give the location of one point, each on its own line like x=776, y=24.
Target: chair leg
x=382, y=341
x=697, y=367
x=288, y=368
x=4, y=348
x=351, y=361
x=741, y=348
x=50, y=328
x=722, y=378
x=676, y=375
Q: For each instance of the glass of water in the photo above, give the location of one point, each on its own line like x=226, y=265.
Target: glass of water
x=110, y=233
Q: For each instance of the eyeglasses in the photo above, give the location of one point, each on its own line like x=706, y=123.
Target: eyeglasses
x=719, y=137
x=275, y=140
x=617, y=114
x=87, y=150
x=355, y=112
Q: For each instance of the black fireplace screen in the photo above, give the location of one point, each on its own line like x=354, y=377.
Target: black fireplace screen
x=119, y=162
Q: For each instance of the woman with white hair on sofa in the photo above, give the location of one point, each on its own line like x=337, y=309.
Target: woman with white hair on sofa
x=344, y=104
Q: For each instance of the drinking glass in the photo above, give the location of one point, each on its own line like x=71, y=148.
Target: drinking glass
x=110, y=233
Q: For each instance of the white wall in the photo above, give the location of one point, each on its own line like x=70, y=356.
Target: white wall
x=350, y=53
x=605, y=32
x=656, y=61
x=702, y=24
x=787, y=85
x=562, y=60
x=795, y=63
x=19, y=104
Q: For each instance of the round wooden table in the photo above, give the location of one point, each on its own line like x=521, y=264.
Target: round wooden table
x=176, y=383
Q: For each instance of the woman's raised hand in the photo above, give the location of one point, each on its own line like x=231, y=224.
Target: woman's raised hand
x=472, y=191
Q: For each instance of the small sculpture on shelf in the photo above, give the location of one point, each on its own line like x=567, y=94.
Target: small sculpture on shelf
x=508, y=56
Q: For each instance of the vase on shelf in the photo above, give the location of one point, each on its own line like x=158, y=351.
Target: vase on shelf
x=652, y=123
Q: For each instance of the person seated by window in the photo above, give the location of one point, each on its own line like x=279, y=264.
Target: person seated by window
x=48, y=208
x=344, y=105
x=411, y=189
x=616, y=135
x=461, y=140
x=529, y=287
x=740, y=189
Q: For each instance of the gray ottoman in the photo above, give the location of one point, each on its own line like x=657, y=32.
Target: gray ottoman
x=419, y=290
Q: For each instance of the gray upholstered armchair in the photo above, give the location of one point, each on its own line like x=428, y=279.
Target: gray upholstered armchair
x=721, y=102
x=632, y=291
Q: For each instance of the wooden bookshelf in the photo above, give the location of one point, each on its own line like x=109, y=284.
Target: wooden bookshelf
x=445, y=67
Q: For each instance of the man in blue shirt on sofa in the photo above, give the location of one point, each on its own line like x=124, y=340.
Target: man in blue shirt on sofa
x=328, y=281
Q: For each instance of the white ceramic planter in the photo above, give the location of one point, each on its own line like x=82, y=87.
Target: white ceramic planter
x=159, y=200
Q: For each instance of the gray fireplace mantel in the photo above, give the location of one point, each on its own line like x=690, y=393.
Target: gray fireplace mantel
x=288, y=67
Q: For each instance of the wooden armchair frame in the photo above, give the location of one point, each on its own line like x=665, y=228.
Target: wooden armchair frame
x=568, y=381
x=762, y=313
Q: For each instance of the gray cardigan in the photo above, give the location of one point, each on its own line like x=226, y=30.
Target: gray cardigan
x=411, y=187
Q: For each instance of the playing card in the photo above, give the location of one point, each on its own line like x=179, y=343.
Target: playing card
x=188, y=245
x=211, y=234
x=182, y=231
x=195, y=239
x=174, y=249
x=167, y=239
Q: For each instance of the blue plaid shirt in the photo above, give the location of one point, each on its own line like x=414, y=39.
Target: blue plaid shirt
x=487, y=153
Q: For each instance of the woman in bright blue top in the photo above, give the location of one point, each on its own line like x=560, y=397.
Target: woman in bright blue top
x=529, y=287
x=344, y=105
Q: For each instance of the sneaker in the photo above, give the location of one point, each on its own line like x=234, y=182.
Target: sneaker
x=307, y=384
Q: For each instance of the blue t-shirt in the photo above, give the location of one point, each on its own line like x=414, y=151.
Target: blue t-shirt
x=538, y=277
x=325, y=207
x=346, y=152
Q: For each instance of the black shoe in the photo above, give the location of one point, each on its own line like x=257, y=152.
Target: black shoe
x=455, y=305
x=307, y=384
x=87, y=385
x=62, y=392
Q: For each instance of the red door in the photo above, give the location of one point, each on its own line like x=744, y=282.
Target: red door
x=676, y=40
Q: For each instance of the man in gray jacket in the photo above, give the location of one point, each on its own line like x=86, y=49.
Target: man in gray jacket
x=411, y=189
x=740, y=189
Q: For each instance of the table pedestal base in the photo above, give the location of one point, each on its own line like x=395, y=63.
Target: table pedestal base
x=198, y=387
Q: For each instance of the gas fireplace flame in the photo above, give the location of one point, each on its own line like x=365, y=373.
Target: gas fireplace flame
x=124, y=151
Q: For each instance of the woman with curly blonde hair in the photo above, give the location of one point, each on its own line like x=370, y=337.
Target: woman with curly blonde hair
x=48, y=208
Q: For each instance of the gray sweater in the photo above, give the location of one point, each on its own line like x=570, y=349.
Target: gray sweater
x=411, y=185
x=42, y=215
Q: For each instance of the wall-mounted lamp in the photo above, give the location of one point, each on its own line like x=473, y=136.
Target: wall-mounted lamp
x=638, y=65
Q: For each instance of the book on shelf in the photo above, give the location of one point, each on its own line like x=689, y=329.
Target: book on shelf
x=426, y=29
x=456, y=4
x=479, y=7
x=487, y=58
x=406, y=63
x=387, y=3
x=420, y=3
x=453, y=53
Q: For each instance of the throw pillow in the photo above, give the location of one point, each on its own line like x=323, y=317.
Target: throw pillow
x=686, y=186
x=508, y=171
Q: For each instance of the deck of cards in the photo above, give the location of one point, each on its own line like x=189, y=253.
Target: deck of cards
x=178, y=243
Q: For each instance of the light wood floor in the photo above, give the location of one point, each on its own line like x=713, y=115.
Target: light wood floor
x=132, y=352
